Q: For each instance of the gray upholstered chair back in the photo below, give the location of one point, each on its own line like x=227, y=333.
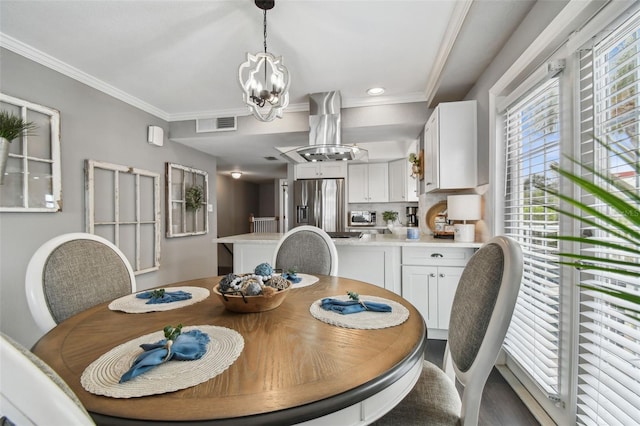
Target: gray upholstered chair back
x=32, y=393
x=308, y=250
x=80, y=274
x=482, y=308
x=305, y=251
x=74, y=272
x=473, y=304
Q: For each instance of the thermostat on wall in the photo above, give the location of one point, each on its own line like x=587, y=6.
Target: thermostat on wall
x=155, y=135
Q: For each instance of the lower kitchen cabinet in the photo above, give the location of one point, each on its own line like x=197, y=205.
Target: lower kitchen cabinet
x=375, y=265
x=431, y=289
x=429, y=281
x=379, y=265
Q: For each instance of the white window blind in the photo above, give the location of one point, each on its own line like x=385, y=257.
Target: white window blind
x=609, y=343
x=532, y=146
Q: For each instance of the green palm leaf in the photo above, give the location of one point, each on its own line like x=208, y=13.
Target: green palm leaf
x=625, y=227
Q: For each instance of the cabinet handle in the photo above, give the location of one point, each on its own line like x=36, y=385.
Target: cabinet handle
x=432, y=274
x=441, y=275
x=436, y=255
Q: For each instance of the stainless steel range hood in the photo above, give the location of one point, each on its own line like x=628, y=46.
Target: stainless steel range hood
x=325, y=132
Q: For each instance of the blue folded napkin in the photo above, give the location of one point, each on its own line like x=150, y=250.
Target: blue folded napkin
x=167, y=297
x=293, y=277
x=351, y=306
x=187, y=347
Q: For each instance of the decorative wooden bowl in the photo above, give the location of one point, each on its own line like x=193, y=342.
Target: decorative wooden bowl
x=245, y=304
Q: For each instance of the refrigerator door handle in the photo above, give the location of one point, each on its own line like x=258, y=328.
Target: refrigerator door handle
x=318, y=203
x=302, y=214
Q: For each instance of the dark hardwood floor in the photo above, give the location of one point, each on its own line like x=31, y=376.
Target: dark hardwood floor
x=500, y=405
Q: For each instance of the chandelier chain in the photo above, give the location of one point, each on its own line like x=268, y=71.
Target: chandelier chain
x=265, y=31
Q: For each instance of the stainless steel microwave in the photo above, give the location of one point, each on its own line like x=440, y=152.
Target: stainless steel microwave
x=362, y=218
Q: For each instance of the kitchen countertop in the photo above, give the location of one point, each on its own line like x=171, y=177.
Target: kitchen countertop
x=388, y=240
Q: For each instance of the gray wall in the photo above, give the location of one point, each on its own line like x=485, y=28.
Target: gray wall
x=99, y=127
x=542, y=13
x=236, y=200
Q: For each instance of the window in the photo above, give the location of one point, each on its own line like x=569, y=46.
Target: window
x=609, y=346
x=32, y=180
x=532, y=146
x=187, y=197
x=573, y=349
x=123, y=206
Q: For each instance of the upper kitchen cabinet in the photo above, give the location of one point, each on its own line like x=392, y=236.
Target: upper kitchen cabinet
x=321, y=170
x=450, y=147
x=368, y=183
x=402, y=186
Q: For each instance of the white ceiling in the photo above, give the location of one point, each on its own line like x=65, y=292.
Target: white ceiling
x=178, y=59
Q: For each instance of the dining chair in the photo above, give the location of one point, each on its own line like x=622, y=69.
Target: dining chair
x=74, y=272
x=308, y=250
x=31, y=393
x=482, y=308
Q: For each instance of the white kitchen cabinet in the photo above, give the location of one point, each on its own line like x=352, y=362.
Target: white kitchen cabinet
x=377, y=265
x=450, y=147
x=429, y=281
x=249, y=255
x=402, y=186
x=369, y=183
x=321, y=170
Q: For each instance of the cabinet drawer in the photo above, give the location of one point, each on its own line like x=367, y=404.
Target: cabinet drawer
x=443, y=256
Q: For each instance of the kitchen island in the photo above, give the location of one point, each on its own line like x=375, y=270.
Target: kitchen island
x=424, y=271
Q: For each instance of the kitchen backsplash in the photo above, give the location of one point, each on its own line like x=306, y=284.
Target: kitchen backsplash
x=382, y=207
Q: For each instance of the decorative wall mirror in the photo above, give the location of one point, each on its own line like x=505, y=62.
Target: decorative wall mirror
x=123, y=206
x=31, y=180
x=187, y=196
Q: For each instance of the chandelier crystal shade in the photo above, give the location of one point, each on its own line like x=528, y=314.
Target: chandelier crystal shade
x=264, y=79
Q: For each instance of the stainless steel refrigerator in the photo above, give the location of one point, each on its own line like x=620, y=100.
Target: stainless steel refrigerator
x=321, y=203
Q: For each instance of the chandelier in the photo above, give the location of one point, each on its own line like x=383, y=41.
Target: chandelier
x=264, y=79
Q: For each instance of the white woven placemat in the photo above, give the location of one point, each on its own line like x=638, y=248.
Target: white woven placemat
x=101, y=377
x=305, y=281
x=365, y=320
x=133, y=305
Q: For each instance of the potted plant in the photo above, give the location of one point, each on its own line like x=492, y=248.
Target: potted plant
x=415, y=164
x=11, y=126
x=389, y=217
x=623, y=227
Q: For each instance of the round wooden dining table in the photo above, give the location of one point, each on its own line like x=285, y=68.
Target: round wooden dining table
x=293, y=368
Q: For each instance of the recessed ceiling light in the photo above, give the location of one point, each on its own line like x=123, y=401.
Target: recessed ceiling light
x=236, y=175
x=375, y=91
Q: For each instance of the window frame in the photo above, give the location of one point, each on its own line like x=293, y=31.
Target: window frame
x=54, y=160
x=176, y=225
x=589, y=30
x=90, y=212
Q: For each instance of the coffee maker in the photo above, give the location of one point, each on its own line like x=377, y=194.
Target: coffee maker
x=412, y=216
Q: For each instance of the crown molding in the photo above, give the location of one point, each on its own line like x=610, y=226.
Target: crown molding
x=49, y=61
x=453, y=29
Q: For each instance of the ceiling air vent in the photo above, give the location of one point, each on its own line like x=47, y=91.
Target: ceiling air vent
x=216, y=124
x=271, y=158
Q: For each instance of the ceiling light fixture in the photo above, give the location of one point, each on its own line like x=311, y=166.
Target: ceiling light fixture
x=236, y=175
x=375, y=91
x=264, y=79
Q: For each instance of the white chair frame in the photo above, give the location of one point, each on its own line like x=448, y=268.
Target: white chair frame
x=33, y=281
x=28, y=396
x=475, y=378
x=333, y=252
